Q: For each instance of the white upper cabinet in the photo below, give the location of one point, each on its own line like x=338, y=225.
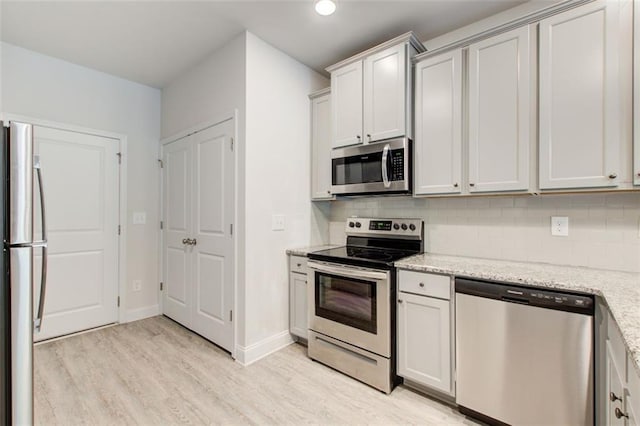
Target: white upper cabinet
x=346, y=105
x=580, y=117
x=438, y=132
x=499, y=117
x=321, y=145
x=636, y=94
x=385, y=94
x=371, y=93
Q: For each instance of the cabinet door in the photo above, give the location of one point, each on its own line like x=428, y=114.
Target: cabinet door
x=298, y=304
x=438, y=144
x=614, y=388
x=346, y=105
x=424, y=341
x=385, y=93
x=636, y=94
x=579, y=98
x=321, y=148
x=499, y=112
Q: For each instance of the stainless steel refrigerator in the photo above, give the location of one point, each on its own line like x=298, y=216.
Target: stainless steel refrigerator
x=21, y=195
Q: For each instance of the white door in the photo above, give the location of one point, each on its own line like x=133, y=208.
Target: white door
x=321, y=148
x=579, y=98
x=438, y=144
x=424, y=341
x=198, y=247
x=213, y=211
x=499, y=112
x=385, y=94
x=80, y=180
x=176, y=254
x=346, y=105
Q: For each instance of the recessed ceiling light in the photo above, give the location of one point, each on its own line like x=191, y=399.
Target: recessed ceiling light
x=325, y=7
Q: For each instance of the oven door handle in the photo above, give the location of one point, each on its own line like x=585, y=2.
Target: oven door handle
x=348, y=272
x=385, y=172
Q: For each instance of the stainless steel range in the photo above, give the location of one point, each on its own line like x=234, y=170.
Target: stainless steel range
x=352, y=314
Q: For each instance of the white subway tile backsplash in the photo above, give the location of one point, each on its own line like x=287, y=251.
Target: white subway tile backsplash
x=603, y=228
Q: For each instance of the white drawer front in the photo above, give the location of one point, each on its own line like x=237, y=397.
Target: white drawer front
x=298, y=264
x=424, y=283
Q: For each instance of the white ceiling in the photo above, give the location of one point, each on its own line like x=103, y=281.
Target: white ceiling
x=152, y=42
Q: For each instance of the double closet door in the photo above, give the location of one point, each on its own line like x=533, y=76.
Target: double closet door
x=198, y=240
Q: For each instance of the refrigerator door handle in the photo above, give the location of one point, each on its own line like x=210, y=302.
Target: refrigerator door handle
x=43, y=245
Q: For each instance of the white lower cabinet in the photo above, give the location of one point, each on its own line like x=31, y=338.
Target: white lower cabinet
x=424, y=335
x=622, y=382
x=298, y=296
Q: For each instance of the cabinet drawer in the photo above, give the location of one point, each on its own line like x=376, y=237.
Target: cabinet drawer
x=298, y=264
x=426, y=284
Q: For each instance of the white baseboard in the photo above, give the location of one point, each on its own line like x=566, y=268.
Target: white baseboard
x=142, y=313
x=252, y=353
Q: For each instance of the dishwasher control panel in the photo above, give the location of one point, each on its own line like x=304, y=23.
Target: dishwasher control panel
x=533, y=296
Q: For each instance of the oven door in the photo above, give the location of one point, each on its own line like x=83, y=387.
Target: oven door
x=351, y=304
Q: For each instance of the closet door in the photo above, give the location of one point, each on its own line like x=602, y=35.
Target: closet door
x=177, y=293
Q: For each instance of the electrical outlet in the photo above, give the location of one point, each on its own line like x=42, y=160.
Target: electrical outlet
x=139, y=218
x=560, y=226
x=136, y=285
x=277, y=222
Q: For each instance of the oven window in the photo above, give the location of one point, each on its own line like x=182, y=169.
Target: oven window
x=348, y=301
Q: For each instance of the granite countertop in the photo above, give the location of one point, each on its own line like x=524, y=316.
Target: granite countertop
x=303, y=251
x=620, y=290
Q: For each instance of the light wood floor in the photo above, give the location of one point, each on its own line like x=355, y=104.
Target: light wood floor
x=156, y=372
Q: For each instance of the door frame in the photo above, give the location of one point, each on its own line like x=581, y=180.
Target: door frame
x=122, y=193
x=175, y=137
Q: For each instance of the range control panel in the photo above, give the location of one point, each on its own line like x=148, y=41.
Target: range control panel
x=403, y=228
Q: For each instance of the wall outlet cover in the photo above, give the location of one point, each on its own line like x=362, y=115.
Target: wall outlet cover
x=277, y=222
x=139, y=218
x=136, y=285
x=560, y=226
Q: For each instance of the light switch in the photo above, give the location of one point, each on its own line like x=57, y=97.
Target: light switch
x=277, y=222
x=139, y=218
x=560, y=226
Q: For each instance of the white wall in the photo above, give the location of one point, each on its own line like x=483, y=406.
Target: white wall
x=603, y=228
x=50, y=89
x=277, y=182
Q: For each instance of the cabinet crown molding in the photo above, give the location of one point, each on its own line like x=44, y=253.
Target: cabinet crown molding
x=408, y=37
x=321, y=92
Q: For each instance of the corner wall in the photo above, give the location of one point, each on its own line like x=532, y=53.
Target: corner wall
x=277, y=183
x=46, y=88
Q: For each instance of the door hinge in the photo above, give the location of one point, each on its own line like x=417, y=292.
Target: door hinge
x=118, y=301
x=231, y=144
x=119, y=229
x=161, y=163
x=161, y=225
x=161, y=286
x=230, y=315
x=119, y=154
x=231, y=229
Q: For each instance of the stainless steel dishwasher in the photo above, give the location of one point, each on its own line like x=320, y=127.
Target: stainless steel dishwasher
x=524, y=355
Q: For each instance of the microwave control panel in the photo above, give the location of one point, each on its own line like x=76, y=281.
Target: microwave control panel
x=397, y=165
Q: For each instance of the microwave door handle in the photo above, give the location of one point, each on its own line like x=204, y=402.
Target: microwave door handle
x=43, y=245
x=385, y=172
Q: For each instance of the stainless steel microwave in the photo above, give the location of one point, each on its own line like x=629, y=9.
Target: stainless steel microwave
x=376, y=168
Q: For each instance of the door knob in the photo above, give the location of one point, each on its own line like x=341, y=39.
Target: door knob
x=620, y=414
x=613, y=397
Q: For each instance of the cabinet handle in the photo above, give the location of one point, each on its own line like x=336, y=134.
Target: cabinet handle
x=299, y=264
x=185, y=241
x=399, y=300
x=369, y=136
x=620, y=414
x=421, y=284
x=638, y=174
x=328, y=191
x=472, y=184
x=358, y=136
x=613, y=397
x=613, y=175
x=455, y=185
